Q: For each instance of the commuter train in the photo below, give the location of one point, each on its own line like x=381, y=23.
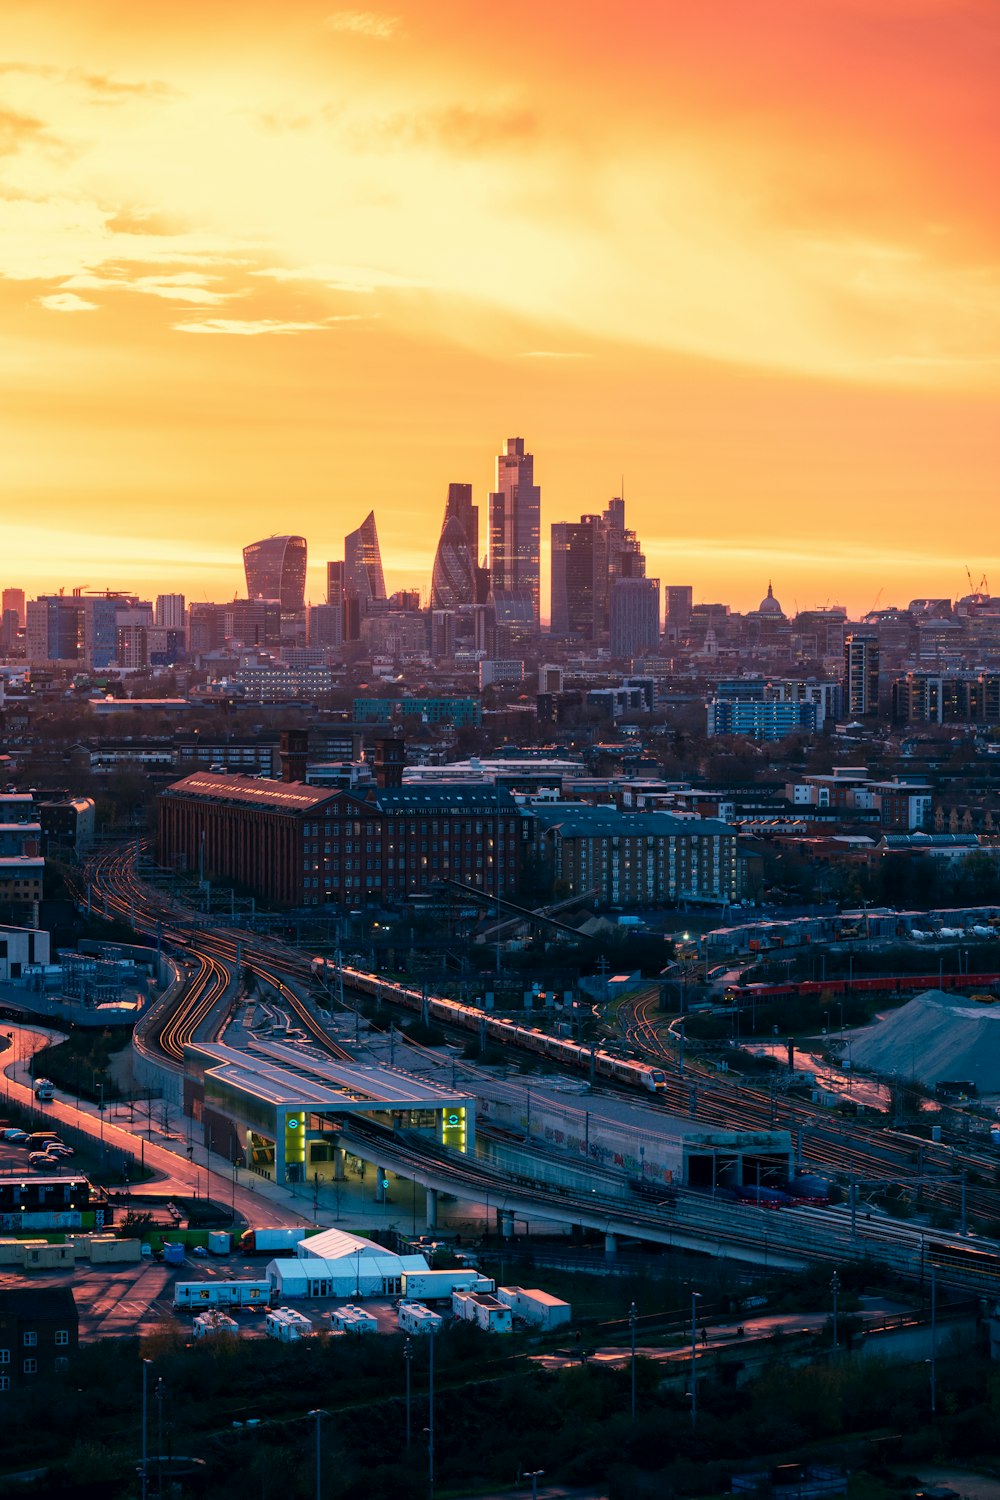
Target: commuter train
x=499, y=1029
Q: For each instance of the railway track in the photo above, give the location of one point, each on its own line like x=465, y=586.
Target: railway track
x=217, y=953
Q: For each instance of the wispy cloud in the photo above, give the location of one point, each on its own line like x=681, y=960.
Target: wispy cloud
x=462, y=129
x=249, y=328
x=179, y=286
x=15, y=129
x=342, y=278
x=67, y=302
x=364, y=23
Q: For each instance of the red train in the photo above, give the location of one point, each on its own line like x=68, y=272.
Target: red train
x=886, y=984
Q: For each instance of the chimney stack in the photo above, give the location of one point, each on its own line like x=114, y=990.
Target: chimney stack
x=293, y=752
x=390, y=756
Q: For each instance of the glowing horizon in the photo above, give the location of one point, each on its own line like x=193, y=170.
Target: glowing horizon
x=265, y=272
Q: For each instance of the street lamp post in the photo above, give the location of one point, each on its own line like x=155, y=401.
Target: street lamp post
x=933, y=1341
x=534, y=1475
x=631, y=1324
x=430, y=1426
x=695, y=1298
x=317, y=1412
x=100, y=1111
x=835, y=1288
x=407, y=1356
x=145, y=1428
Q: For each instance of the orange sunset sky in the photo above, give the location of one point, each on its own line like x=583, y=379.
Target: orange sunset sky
x=266, y=266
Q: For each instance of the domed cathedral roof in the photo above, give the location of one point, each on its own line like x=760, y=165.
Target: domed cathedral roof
x=769, y=605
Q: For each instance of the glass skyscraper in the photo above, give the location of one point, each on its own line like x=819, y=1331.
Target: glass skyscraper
x=515, y=526
x=276, y=569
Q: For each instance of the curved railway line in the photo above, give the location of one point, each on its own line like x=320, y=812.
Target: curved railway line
x=848, y=1148
x=217, y=953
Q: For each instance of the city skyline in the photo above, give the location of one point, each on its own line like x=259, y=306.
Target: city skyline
x=760, y=282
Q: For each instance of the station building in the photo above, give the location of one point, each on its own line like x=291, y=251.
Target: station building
x=287, y=1113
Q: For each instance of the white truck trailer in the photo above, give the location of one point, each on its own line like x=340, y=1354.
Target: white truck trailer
x=483, y=1310
x=287, y=1325
x=432, y=1286
x=271, y=1241
x=200, y=1294
x=413, y=1317
x=536, y=1307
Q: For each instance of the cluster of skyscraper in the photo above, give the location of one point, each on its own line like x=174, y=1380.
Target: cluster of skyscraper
x=599, y=587
x=600, y=591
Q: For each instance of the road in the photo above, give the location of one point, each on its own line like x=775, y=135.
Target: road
x=166, y=1154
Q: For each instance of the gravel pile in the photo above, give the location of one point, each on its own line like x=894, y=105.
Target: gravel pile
x=933, y=1037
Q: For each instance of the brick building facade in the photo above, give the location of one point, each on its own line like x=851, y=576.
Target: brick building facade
x=298, y=845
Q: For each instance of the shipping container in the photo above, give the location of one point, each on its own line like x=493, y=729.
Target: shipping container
x=219, y=1242
x=107, y=1249
x=173, y=1254
x=267, y=1241
x=485, y=1311
x=536, y=1307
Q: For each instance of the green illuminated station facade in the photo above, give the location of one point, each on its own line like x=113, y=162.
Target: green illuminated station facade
x=285, y=1115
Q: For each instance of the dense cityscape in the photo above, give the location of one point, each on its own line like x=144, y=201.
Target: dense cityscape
x=607, y=935
x=499, y=751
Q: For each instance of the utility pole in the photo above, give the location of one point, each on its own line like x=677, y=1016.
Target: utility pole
x=144, y=1472
x=835, y=1288
x=631, y=1324
x=318, y=1414
x=695, y=1296
x=430, y=1427
x=407, y=1356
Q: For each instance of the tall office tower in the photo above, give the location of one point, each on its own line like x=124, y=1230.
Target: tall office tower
x=453, y=580
x=8, y=630
x=635, y=617
x=54, y=630
x=679, y=598
x=169, y=612
x=515, y=526
x=325, y=625
x=442, y=634
x=861, y=668
x=276, y=569
x=254, y=622
x=626, y=558
x=14, y=599
x=335, y=583
x=511, y=613
x=579, y=578
x=206, y=628
x=363, y=575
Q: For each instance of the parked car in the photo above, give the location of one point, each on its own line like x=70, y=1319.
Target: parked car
x=15, y=1136
x=57, y=1148
x=43, y=1159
